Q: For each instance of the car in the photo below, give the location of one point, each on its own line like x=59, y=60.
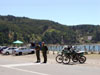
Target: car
x=2, y=48
x=8, y=51
x=23, y=50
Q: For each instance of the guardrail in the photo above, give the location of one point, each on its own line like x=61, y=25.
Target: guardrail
x=87, y=48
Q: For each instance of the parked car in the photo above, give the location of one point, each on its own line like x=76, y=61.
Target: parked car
x=8, y=50
x=21, y=51
x=2, y=48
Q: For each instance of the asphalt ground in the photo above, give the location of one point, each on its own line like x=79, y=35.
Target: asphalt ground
x=25, y=65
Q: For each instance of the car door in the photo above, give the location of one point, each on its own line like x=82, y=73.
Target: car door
x=26, y=51
x=10, y=50
x=23, y=50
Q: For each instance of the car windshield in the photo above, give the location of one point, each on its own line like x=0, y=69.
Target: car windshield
x=11, y=48
x=22, y=48
x=4, y=47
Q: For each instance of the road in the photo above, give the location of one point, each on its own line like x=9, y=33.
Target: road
x=10, y=65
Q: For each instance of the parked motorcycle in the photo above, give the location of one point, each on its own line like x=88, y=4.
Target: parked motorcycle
x=75, y=56
x=69, y=53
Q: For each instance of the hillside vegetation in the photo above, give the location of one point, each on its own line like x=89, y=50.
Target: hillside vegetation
x=25, y=29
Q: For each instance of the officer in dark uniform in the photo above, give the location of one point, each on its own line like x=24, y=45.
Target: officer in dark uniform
x=44, y=52
x=37, y=48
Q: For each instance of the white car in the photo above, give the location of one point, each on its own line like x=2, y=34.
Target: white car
x=8, y=50
x=22, y=50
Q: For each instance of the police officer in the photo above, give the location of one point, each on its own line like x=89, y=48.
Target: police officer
x=37, y=48
x=44, y=52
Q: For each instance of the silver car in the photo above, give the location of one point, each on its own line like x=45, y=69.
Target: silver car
x=8, y=50
x=23, y=50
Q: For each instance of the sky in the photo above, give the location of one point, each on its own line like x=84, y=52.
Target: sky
x=67, y=12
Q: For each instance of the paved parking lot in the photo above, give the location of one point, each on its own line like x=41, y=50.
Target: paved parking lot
x=10, y=65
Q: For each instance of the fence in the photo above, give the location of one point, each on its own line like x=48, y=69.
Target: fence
x=93, y=48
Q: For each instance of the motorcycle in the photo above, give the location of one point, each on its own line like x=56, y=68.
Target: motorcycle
x=66, y=56
x=75, y=56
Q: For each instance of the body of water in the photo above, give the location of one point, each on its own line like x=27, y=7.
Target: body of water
x=87, y=48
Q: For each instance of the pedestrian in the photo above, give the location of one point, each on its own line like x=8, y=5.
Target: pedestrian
x=44, y=52
x=37, y=48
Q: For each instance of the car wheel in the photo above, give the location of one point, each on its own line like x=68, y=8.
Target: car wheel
x=7, y=53
x=20, y=53
x=32, y=52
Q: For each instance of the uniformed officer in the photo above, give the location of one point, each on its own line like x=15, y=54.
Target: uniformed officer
x=37, y=48
x=44, y=52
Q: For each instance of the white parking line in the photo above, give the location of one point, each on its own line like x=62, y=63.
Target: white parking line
x=11, y=66
x=16, y=65
x=33, y=72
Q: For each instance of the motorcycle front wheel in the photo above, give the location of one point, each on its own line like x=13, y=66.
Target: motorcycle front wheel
x=59, y=58
x=66, y=60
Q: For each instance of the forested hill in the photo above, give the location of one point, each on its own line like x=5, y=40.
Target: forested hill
x=22, y=28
